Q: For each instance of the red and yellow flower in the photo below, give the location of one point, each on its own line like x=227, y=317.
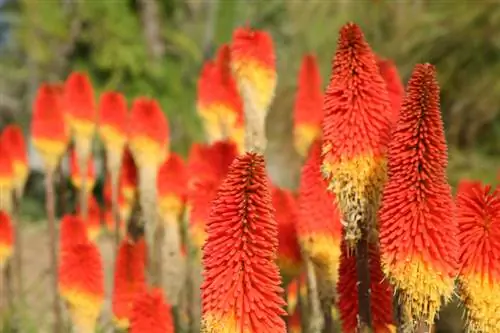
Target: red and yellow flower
x=241, y=291
x=418, y=234
x=478, y=216
x=356, y=130
x=48, y=127
x=151, y=313
x=395, y=87
x=172, y=182
x=6, y=238
x=72, y=232
x=12, y=139
x=76, y=178
x=308, y=110
x=129, y=279
x=7, y=178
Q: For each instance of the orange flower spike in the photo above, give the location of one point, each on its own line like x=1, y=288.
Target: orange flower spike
x=76, y=178
x=395, y=87
x=318, y=224
x=113, y=123
x=129, y=279
x=81, y=284
x=381, y=293
x=48, y=127
x=6, y=238
x=151, y=313
x=72, y=232
x=172, y=181
x=417, y=231
x=254, y=65
x=241, y=291
x=289, y=257
x=7, y=178
x=308, y=110
x=13, y=139
x=356, y=131
x=478, y=217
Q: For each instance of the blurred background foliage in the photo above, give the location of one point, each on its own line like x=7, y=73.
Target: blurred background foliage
x=156, y=48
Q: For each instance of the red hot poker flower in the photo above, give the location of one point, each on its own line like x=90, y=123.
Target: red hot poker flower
x=129, y=279
x=81, y=284
x=417, y=232
x=241, y=290
x=318, y=224
x=150, y=313
x=308, y=110
x=289, y=256
x=48, y=127
x=113, y=121
x=76, y=178
x=395, y=87
x=254, y=64
x=7, y=178
x=356, y=131
x=6, y=238
x=172, y=181
x=478, y=216
x=13, y=140
x=80, y=105
x=381, y=293
x=73, y=232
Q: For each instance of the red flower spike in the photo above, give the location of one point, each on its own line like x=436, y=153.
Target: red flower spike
x=478, y=217
x=172, y=181
x=76, y=178
x=150, y=313
x=210, y=164
x=149, y=133
x=7, y=178
x=318, y=224
x=395, y=87
x=241, y=291
x=48, y=126
x=356, y=130
x=381, y=293
x=254, y=65
x=417, y=231
x=80, y=105
x=113, y=121
x=72, y=232
x=129, y=279
x=128, y=177
x=286, y=214
x=81, y=284
x=308, y=110
x=12, y=139
x=6, y=238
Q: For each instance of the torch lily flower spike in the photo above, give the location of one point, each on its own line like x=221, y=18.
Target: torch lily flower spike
x=289, y=257
x=318, y=225
x=172, y=181
x=381, y=293
x=308, y=110
x=241, y=291
x=73, y=232
x=81, y=284
x=395, y=87
x=12, y=139
x=6, y=238
x=478, y=216
x=76, y=174
x=129, y=279
x=48, y=127
x=356, y=131
x=151, y=313
x=7, y=178
x=418, y=234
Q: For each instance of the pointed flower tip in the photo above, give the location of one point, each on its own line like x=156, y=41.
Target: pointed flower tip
x=351, y=35
x=81, y=283
x=478, y=216
x=129, y=279
x=113, y=120
x=6, y=238
x=246, y=188
x=151, y=313
x=249, y=45
x=172, y=181
x=79, y=103
x=73, y=232
x=149, y=132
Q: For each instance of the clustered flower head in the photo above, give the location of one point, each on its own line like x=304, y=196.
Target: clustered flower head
x=172, y=181
x=241, y=290
x=478, y=217
x=6, y=239
x=418, y=234
x=356, y=130
x=13, y=141
x=308, y=109
x=7, y=178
